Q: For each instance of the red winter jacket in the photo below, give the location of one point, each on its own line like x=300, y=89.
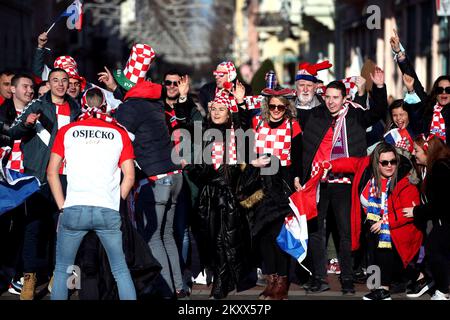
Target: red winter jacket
x=407, y=238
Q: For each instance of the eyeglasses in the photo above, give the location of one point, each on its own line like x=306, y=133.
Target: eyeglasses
x=280, y=107
x=385, y=163
x=169, y=83
x=440, y=90
x=219, y=74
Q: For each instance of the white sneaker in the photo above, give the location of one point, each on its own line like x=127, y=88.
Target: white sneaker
x=261, y=278
x=440, y=296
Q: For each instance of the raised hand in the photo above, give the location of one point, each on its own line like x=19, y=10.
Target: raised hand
x=378, y=77
x=395, y=41
x=408, y=81
x=42, y=40
x=239, y=92
x=183, y=86
x=107, y=78
x=361, y=84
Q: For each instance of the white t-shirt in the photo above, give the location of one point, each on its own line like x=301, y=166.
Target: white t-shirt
x=93, y=150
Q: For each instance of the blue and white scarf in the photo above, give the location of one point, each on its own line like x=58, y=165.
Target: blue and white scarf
x=377, y=210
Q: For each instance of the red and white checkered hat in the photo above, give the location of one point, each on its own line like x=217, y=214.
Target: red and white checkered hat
x=141, y=57
x=231, y=69
x=68, y=64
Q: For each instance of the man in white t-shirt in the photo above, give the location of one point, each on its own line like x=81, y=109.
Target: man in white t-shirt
x=96, y=149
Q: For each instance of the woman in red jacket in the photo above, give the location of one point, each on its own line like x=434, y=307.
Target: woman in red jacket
x=381, y=187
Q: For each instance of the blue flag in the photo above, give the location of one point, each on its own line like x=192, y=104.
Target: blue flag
x=15, y=188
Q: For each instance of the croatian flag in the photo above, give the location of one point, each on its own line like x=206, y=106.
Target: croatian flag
x=293, y=237
x=15, y=187
x=399, y=138
x=74, y=12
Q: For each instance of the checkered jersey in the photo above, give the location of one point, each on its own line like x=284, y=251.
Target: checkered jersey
x=276, y=141
x=217, y=152
x=15, y=161
x=142, y=55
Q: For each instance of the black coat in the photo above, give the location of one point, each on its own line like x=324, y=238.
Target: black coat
x=145, y=118
x=437, y=192
x=316, y=122
x=423, y=111
x=220, y=226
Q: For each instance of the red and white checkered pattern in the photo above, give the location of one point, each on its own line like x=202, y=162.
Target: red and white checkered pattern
x=232, y=74
x=253, y=102
x=15, y=161
x=330, y=178
x=68, y=64
x=217, y=152
x=437, y=126
x=350, y=85
x=225, y=98
x=141, y=57
x=276, y=141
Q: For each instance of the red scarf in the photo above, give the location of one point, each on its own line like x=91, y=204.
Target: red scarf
x=437, y=126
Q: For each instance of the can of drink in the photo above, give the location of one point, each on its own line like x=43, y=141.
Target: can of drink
x=271, y=80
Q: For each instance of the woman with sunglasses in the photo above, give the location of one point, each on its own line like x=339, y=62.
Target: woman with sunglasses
x=434, y=108
x=276, y=131
x=382, y=189
x=434, y=157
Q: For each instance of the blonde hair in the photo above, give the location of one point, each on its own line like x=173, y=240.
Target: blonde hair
x=291, y=111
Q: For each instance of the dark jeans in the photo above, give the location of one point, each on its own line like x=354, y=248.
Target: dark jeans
x=338, y=196
x=39, y=236
x=155, y=211
x=438, y=253
x=11, y=240
x=274, y=259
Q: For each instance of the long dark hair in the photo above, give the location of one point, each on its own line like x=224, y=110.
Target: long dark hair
x=433, y=94
x=383, y=147
x=399, y=103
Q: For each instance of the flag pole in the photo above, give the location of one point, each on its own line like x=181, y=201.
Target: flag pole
x=51, y=27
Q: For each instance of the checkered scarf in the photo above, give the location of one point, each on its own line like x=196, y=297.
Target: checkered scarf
x=377, y=210
x=15, y=161
x=437, y=126
x=217, y=151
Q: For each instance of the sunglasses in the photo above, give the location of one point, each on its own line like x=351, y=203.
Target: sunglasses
x=168, y=83
x=219, y=74
x=440, y=90
x=280, y=107
x=385, y=163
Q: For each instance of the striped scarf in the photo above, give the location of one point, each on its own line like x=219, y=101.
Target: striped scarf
x=378, y=210
x=437, y=126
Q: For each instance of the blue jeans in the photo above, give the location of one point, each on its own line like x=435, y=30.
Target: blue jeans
x=74, y=223
x=155, y=211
